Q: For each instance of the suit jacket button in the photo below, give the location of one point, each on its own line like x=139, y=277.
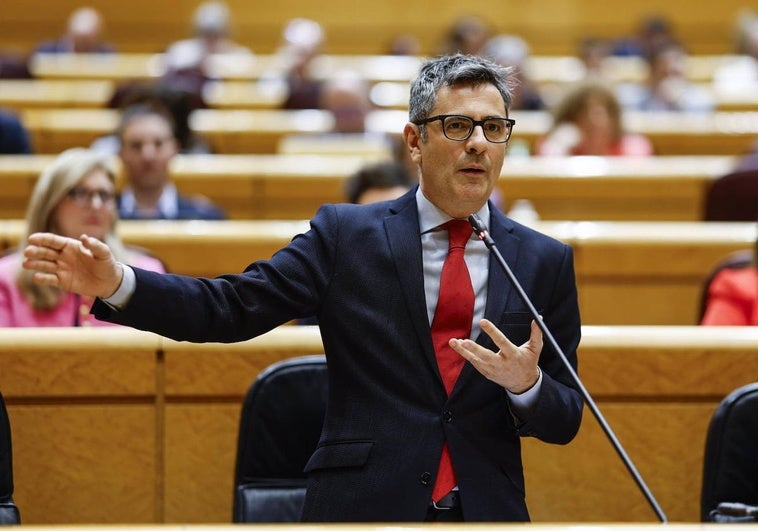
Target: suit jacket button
x=426, y=478
x=447, y=416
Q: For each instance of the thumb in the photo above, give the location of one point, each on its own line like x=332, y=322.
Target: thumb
x=535, y=338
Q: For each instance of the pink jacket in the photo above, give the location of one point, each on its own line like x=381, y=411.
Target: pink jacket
x=73, y=310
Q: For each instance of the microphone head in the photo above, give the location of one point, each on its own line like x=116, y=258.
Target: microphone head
x=477, y=224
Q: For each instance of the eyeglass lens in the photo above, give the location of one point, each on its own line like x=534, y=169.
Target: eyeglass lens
x=83, y=196
x=461, y=127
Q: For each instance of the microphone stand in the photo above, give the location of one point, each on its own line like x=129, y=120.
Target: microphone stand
x=481, y=231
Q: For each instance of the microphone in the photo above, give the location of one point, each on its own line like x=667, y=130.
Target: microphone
x=738, y=509
x=481, y=231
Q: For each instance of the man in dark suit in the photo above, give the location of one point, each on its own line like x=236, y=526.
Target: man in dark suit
x=372, y=276
x=147, y=145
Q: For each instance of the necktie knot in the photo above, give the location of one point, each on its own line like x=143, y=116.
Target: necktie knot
x=459, y=231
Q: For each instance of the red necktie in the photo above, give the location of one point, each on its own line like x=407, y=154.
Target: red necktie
x=452, y=318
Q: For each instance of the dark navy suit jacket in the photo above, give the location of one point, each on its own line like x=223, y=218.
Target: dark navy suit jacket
x=359, y=270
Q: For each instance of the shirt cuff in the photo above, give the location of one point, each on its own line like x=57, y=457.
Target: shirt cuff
x=523, y=402
x=125, y=290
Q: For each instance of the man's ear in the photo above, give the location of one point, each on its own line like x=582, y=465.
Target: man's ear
x=412, y=139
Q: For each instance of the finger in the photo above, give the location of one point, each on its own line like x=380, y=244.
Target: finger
x=502, y=342
x=46, y=279
x=465, y=348
x=36, y=252
x=48, y=239
x=535, y=339
x=43, y=266
x=97, y=248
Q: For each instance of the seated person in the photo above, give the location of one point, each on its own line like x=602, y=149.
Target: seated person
x=147, y=146
x=513, y=51
x=290, y=70
x=732, y=297
x=378, y=182
x=14, y=139
x=178, y=103
x=75, y=195
x=667, y=87
x=84, y=34
x=588, y=121
x=211, y=36
x=346, y=96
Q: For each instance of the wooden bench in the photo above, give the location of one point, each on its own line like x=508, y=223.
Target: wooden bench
x=542, y=69
x=116, y=426
x=628, y=273
x=294, y=186
x=261, y=131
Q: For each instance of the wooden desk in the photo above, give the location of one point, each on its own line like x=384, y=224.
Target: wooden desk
x=542, y=69
x=628, y=273
x=227, y=131
x=117, y=426
x=20, y=94
x=294, y=186
x=259, y=131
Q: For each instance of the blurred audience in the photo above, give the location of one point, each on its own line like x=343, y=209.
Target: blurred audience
x=211, y=34
x=290, y=69
x=667, y=87
x=593, y=52
x=467, y=35
x=84, y=34
x=14, y=65
x=588, y=121
x=731, y=298
x=742, y=70
x=405, y=44
x=147, y=147
x=378, y=182
x=346, y=96
x=75, y=195
x=513, y=51
x=14, y=138
x=653, y=32
x=176, y=102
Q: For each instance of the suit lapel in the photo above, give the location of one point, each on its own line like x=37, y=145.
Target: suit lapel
x=402, y=227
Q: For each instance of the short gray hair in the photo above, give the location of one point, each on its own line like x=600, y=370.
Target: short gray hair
x=451, y=70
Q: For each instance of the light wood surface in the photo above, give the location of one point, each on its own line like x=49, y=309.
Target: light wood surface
x=164, y=452
x=294, y=186
x=261, y=131
x=543, y=69
x=144, y=26
x=628, y=273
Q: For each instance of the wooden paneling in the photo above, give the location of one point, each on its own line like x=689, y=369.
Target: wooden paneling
x=369, y=27
x=124, y=459
x=280, y=187
x=640, y=273
x=83, y=416
x=261, y=131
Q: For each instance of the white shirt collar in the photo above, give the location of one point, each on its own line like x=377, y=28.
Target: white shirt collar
x=430, y=216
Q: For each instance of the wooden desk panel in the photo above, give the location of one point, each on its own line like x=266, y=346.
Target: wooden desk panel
x=657, y=387
x=259, y=131
x=640, y=273
x=294, y=186
x=82, y=409
x=542, y=69
x=20, y=94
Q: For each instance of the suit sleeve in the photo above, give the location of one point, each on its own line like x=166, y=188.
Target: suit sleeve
x=557, y=415
x=234, y=307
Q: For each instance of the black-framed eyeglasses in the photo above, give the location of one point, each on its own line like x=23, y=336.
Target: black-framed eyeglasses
x=85, y=197
x=459, y=128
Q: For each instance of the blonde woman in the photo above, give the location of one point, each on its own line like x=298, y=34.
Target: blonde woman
x=75, y=195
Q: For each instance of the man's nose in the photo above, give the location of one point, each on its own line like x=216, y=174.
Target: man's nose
x=477, y=142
